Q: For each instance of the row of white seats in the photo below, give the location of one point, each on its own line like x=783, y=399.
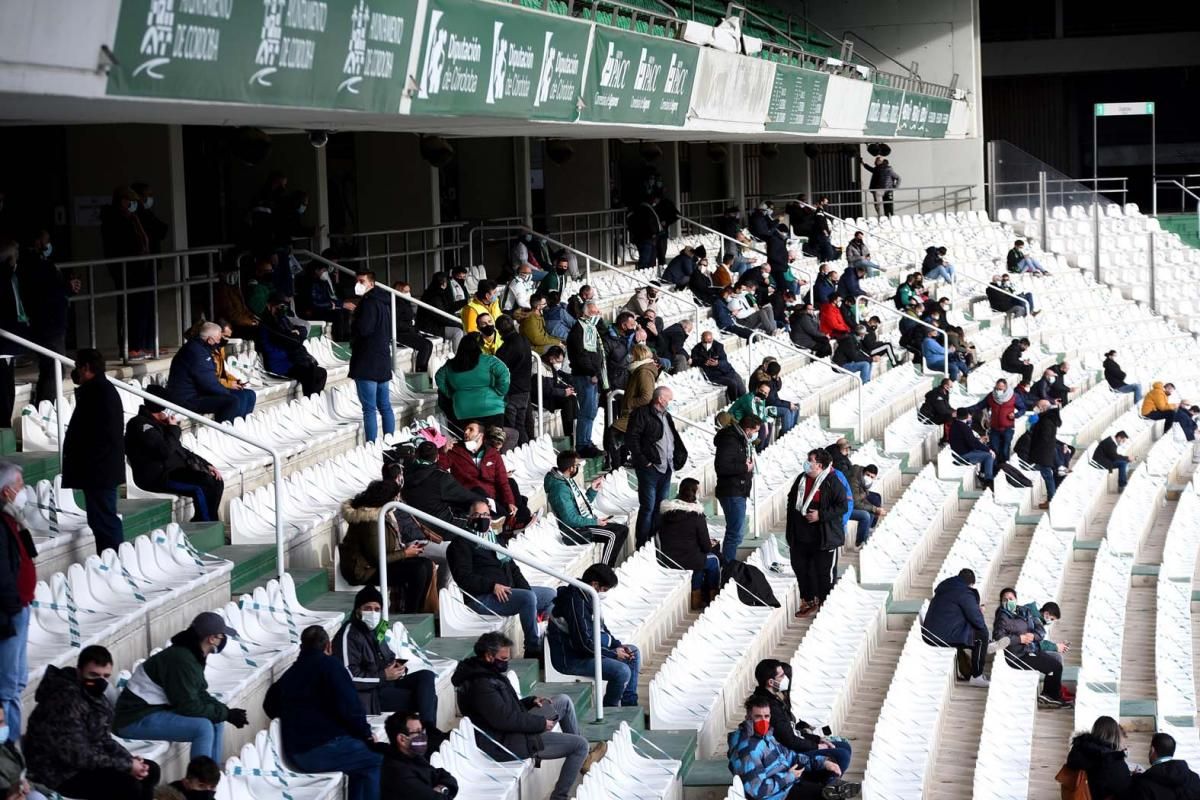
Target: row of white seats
x=626, y=772
x=1133, y=515
x=1002, y=765
x=1099, y=682
x=884, y=398
x=981, y=543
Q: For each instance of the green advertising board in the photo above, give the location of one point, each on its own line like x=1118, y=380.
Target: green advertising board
x=639, y=80
x=923, y=115
x=797, y=99
x=939, y=117
x=883, y=114
x=487, y=59
x=340, y=54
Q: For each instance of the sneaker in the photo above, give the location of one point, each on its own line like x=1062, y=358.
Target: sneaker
x=841, y=790
x=1050, y=702
x=979, y=682
x=1000, y=644
x=1044, y=506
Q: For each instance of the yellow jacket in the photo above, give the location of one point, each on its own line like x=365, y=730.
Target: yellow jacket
x=1156, y=400
x=227, y=380
x=533, y=328
x=474, y=308
x=490, y=346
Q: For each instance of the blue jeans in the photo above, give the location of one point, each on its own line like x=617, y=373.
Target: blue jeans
x=204, y=735
x=739, y=265
x=525, y=603
x=953, y=370
x=840, y=754
x=734, y=509
x=1048, y=478
x=864, y=519
x=376, y=396
x=1001, y=443
x=647, y=254
x=787, y=418
x=101, y=507
x=246, y=401
x=621, y=676
x=354, y=757
x=860, y=368
x=944, y=272
x=14, y=671
x=709, y=577
x=1122, y=473
x=589, y=399
x=1132, y=388
x=1028, y=264
x=653, y=488
x=984, y=459
x=870, y=266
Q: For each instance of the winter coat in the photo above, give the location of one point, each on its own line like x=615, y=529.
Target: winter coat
x=721, y=314
x=1001, y=414
x=858, y=490
x=833, y=324
x=572, y=621
x=857, y=250
x=1043, y=441
x=413, y=777
x=1107, y=773
x=823, y=291
x=1013, y=625
x=1011, y=358
x=154, y=451
x=764, y=764
x=18, y=576
x=683, y=540
x=70, y=731
x=933, y=351
x=1113, y=373
x=679, y=271
x=777, y=254
x=849, y=351
x=1106, y=454
x=586, y=363
x=936, y=407
x=475, y=307
x=831, y=504
x=280, y=343
x=674, y=341
x=848, y=285
x=883, y=177
x=700, y=354
x=563, y=501
x=748, y=403
x=94, y=445
x=478, y=392
x=170, y=680
x=953, y=616
x=963, y=440
x=364, y=658
x=492, y=704
x=639, y=391
x=784, y=728
x=644, y=223
x=477, y=570
x=1156, y=400
x=358, y=552
x=806, y=331
x=734, y=479
x=10, y=288
x=533, y=328
x=315, y=703
x=45, y=293
x=193, y=374
x=517, y=355
x=759, y=224
x=643, y=433
x=431, y=489
x=618, y=354
x=1166, y=780
x=486, y=475
x=931, y=262
x=371, y=338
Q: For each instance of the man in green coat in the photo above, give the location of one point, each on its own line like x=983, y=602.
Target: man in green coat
x=167, y=697
x=577, y=520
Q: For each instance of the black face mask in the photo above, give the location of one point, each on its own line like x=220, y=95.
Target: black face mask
x=94, y=686
x=199, y=794
x=487, y=330
x=480, y=524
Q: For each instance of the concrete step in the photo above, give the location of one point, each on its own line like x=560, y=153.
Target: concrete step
x=205, y=536
x=8, y=441
x=602, y=731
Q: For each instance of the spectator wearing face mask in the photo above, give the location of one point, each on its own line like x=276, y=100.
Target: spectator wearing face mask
x=380, y=676
x=94, y=448
x=868, y=507
x=167, y=697
x=1024, y=633
x=656, y=451
x=555, y=280
x=559, y=319
x=489, y=336
x=18, y=580
x=734, y=465
x=709, y=356
x=1002, y=406
x=192, y=381
x=577, y=520
x=431, y=489
x=201, y=781
x=558, y=393
x=569, y=636
x=316, y=298
x=833, y=322
x=410, y=574
x=492, y=582
x=440, y=294
x=517, y=355
x=935, y=267
x=968, y=447
x=589, y=374
x=1109, y=455
x=1157, y=405
x=519, y=291
x=46, y=292
x=806, y=331
x=849, y=354
x=282, y=346
x=745, y=308
x=484, y=301
x=1115, y=377
x=683, y=542
x=1000, y=296
x=773, y=681
x=534, y=328
x=160, y=463
x=408, y=334
x=479, y=467
x=1018, y=261
x=124, y=237
x=406, y=771
x=815, y=531
x=69, y=745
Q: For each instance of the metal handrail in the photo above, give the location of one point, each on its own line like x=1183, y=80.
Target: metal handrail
x=228, y=430
x=432, y=242
x=693, y=306
x=514, y=555
x=812, y=357
x=794, y=47
x=738, y=242
x=872, y=301
x=1182, y=190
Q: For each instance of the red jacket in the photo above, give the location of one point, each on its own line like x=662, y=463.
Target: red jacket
x=1001, y=413
x=833, y=324
x=488, y=474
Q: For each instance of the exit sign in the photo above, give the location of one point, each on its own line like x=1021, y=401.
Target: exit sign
x=1139, y=109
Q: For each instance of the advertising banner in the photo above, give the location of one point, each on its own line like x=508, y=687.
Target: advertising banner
x=730, y=88
x=797, y=99
x=639, y=80
x=883, y=115
x=923, y=115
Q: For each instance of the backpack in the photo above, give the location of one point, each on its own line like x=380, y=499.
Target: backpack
x=753, y=588
x=1074, y=784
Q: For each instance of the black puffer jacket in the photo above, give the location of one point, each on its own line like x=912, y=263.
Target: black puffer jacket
x=1170, y=780
x=477, y=570
x=492, y=704
x=413, y=777
x=431, y=489
x=1043, y=439
x=734, y=479
x=1107, y=772
x=683, y=540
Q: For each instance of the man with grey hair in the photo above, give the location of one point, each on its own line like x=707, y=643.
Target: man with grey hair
x=18, y=579
x=192, y=381
x=589, y=375
x=655, y=450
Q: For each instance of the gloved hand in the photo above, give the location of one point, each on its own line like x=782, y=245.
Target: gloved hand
x=237, y=717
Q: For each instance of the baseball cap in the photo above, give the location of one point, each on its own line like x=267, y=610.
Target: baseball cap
x=209, y=623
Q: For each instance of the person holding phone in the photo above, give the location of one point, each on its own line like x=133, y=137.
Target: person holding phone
x=773, y=680
x=383, y=680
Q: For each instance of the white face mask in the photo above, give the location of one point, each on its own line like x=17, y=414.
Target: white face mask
x=785, y=683
x=19, y=499
x=868, y=481
x=473, y=445
x=149, y=203
x=371, y=619
x=361, y=288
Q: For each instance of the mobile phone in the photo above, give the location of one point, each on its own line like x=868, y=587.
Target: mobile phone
x=827, y=730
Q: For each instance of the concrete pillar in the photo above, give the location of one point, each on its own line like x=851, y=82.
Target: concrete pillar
x=670, y=175
x=522, y=179
x=735, y=173
x=178, y=223
x=319, y=197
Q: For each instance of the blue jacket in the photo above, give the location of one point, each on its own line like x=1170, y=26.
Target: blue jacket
x=679, y=271
x=765, y=765
x=558, y=321
x=954, y=615
x=848, y=285
x=823, y=291
x=963, y=440
x=371, y=338
x=849, y=496
x=193, y=374
x=278, y=342
x=315, y=702
x=722, y=314
x=571, y=620
x=934, y=352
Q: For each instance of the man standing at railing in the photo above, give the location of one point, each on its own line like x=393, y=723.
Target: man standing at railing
x=644, y=226
x=370, y=354
x=124, y=237
x=46, y=291
x=883, y=180
x=94, y=448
